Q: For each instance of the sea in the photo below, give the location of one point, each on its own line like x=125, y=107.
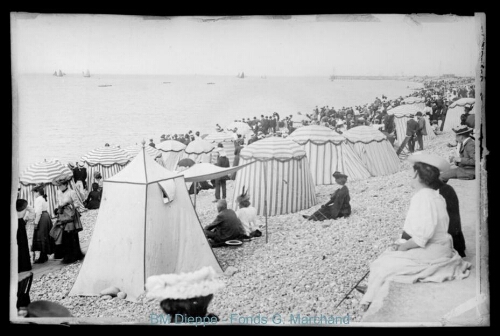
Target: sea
x=65, y=117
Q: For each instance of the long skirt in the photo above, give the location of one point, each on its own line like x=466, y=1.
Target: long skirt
x=23, y=248
x=70, y=247
x=42, y=241
x=436, y=262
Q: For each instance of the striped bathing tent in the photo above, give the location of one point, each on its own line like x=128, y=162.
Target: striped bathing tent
x=226, y=139
x=156, y=154
x=374, y=149
x=416, y=101
x=107, y=160
x=455, y=110
x=44, y=172
x=401, y=115
x=199, y=150
x=280, y=178
x=327, y=152
x=172, y=152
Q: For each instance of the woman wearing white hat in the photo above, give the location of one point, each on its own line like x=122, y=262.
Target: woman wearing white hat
x=427, y=253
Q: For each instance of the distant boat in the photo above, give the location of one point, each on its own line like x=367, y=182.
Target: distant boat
x=58, y=73
x=55, y=73
x=104, y=85
x=86, y=73
x=241, y=75
x=166, y=82
x=211, y=83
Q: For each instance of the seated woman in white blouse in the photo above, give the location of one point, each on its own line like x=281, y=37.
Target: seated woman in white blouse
x=248, y=216
x=427, y=253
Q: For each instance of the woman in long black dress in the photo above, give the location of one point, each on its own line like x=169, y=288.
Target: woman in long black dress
x=69, y=249
x=42, y=241
x=23, y=250
x=338, y=205
x=94, y=199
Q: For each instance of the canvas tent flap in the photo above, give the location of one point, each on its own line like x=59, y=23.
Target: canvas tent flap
x=273, y=148
x=316, y=134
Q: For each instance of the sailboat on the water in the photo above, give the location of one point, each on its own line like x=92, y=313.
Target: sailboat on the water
x=86, y=73
x=241, y=75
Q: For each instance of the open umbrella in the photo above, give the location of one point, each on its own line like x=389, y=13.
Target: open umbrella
x=199, y=150
x=107, y=160
x=133, y=150
x=242, y=128
x=186, y=162
x=44, y=172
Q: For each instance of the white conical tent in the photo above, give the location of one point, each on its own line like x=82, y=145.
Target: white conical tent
x=146, y=226
x=374, y=149
x=199, y=150
x=156, y=154
x=227, y=141
x=107, y=160
x=172, y=152
x=281, y=176
x=401, y=116
x=327, y=152
x=455, y=110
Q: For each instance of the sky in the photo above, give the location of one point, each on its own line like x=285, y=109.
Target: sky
x=303, y=45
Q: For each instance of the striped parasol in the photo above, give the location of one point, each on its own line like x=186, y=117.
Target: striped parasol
x=106, y=156
x=133, y=150
x=106, y=160
x=45, y=172
x=171, y=146
x=327, y=152
x=199, y=150
x=374, y=150
x=273, y=148
x=227, y=141
x=219, y=137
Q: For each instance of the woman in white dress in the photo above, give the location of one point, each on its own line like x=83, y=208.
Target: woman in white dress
x=248, y=216
x=425, y=253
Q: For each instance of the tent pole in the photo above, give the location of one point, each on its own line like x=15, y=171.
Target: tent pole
x=265, y=198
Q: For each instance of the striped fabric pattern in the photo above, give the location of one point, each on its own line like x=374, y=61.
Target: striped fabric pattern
x=276, y=148
x=106, y=156
x=228, y=148
x=44, y=172
x=133, y=150
x=287, y=185
x=375, y=151
x=401, y=115
x=50, y=190
x=364, y=134
x=328, y=152
x=199, y=146
x=106, y=172
x=455, y=111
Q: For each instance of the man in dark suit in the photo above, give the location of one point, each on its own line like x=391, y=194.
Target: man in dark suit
x=220, y=183
x=466, y=162
x=80, y=174
x=411, y=130
x=226, y=225
x=421, y=131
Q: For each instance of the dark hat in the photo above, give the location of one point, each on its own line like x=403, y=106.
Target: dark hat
x=338, y=174
x=220, y=145
x=463, y=129
x=418, y=114
x=243, y=197
x=47, y=309
x=21, y=204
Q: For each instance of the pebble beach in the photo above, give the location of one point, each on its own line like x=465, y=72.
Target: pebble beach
x=304, y=268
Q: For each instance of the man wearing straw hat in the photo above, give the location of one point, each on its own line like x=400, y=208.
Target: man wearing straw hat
x=466, y=161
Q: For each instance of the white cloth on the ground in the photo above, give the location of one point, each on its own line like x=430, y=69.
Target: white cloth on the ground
x=248, y=218
x=436, y=262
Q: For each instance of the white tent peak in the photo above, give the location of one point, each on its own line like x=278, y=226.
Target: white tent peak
x=143, y=169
